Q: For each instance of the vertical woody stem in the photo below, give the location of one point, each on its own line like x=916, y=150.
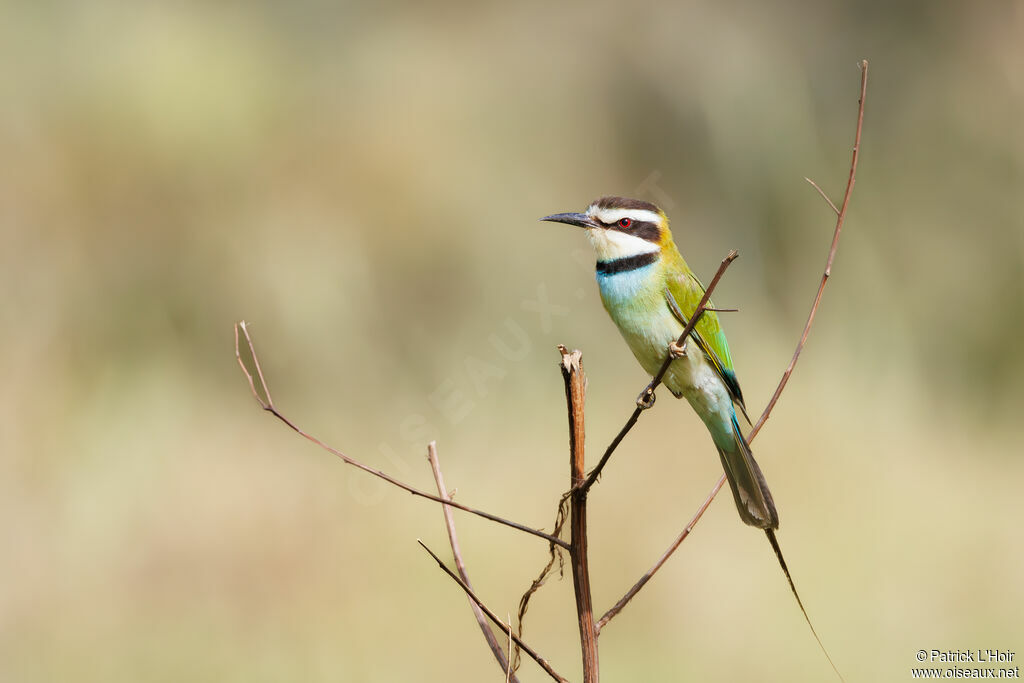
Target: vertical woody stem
x=575, y=386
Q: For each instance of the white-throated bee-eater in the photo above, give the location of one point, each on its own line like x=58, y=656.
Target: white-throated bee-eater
x=650, y=293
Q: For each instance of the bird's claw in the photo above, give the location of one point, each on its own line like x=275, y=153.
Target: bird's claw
x=646, y=398
x=677, y=350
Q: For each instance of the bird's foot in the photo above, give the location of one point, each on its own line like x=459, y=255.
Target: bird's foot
x=676, y=350
x=646, y=398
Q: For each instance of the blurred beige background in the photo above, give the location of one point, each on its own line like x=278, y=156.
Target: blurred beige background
x=362, y=183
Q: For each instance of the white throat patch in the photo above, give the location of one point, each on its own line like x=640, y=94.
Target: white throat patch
x=612, y=244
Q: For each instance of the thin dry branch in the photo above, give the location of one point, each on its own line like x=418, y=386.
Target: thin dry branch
x=646, y=398
x=505, y=662
x=492, y=616
x=508, y=666
x=268, y=405
x=617, y=607
x=823, y=195
x=840, y=218
x=575, y=390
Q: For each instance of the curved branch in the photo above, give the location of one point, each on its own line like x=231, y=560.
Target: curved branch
x=268, y=405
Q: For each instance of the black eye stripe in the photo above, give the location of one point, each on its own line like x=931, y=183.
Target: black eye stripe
x=643, y=229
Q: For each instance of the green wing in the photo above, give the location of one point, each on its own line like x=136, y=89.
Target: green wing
x=682, y=294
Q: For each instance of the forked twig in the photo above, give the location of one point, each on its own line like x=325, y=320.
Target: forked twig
x=268, y=405
x=493, y=617
x=840, y=218
x=505, y=662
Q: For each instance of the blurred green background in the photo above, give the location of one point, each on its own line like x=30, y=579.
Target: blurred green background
x=362, y=183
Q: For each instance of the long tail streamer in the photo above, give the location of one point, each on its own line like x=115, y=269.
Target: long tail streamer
x=792, y=586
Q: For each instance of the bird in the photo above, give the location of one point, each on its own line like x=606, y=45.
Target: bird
x=650, y=293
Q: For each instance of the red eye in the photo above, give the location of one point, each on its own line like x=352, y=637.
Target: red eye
x=625, y=222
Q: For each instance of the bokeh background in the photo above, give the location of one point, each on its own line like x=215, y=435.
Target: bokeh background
x=361, y=182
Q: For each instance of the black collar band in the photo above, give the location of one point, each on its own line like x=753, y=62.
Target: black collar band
x=626, y=264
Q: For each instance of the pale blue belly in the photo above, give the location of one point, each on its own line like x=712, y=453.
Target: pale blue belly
x=636, y=303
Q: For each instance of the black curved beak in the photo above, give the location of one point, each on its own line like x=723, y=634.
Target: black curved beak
x=580, y=220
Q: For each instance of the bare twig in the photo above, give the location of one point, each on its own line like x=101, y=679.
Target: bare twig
x=840, y=219
x=255, y=361
x=841, y=216
x=504, y=661
x=646, y=399
x=823, y=195
x=493, y=617
x=268, y=405
x=617, y=607
x=575, y=388
x=508, y=664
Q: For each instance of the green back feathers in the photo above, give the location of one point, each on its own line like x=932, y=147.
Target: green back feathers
x=683, y=293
